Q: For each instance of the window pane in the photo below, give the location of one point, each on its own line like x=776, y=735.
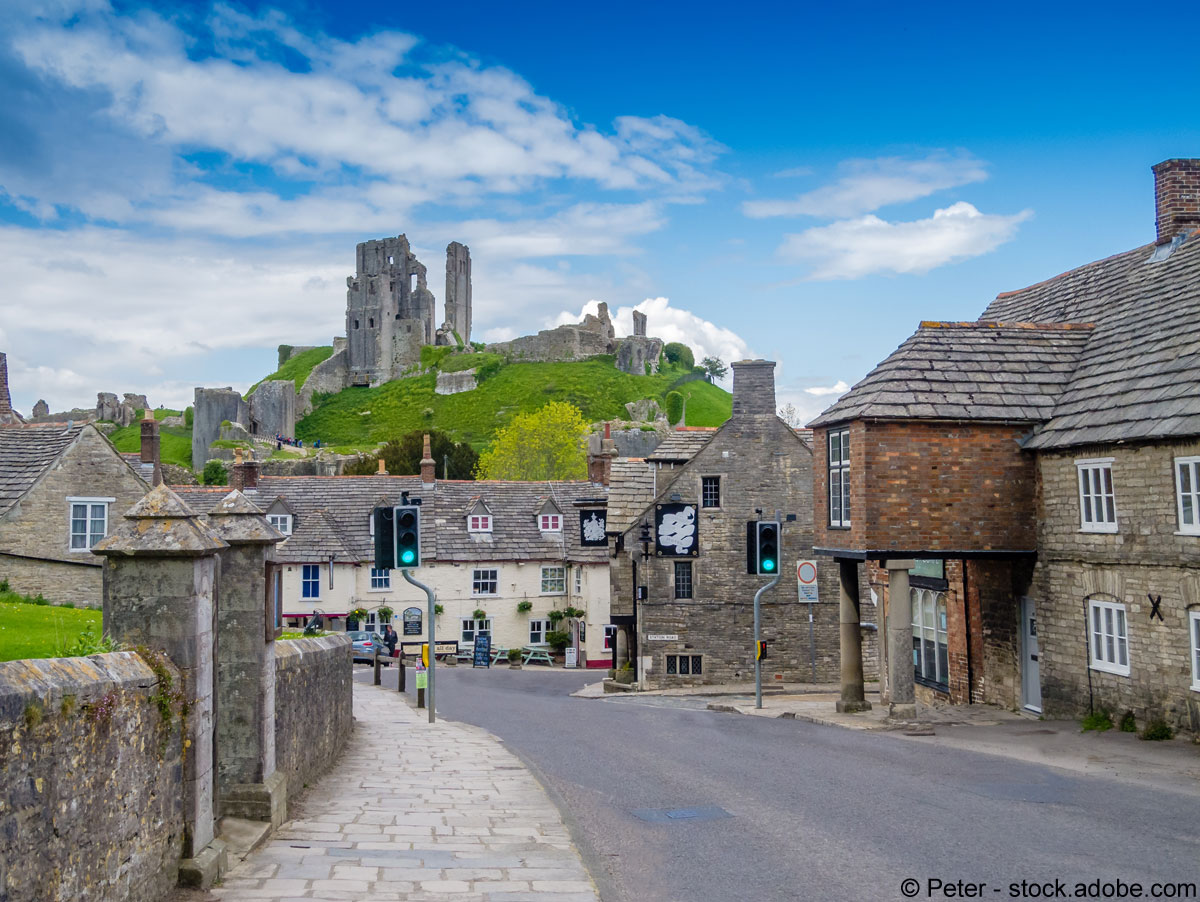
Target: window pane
x=1185, y=477
x=846, y=447
x=671, y=664
x=943, y=662
x=927, y=613
x=1112, y=511
x=696, y=665
x=684, y=665
x=835, y=496
x=845, y=496
x=916, y=609
x=1106, y=472
x=835, y=448
x=1189, y=514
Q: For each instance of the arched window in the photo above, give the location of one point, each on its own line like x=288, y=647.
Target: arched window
x=930, y=652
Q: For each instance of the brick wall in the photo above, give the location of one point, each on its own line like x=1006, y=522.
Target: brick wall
x=930, y=486
x=313, y=707
x=39, y=525
x=90, y=781
x=1176, y=197
x=1144, y=557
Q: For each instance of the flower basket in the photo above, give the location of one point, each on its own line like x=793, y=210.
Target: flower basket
x=524, y=606
x=479, y=614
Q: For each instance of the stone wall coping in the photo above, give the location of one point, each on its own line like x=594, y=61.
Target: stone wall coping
x=292, y=652
x=44, y=679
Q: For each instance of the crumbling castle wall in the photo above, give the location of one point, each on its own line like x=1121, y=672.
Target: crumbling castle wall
x=638, y=355
x=273, y=408
x=211, y=407
x=458, y=290
x=328, y=377
x=576, y=341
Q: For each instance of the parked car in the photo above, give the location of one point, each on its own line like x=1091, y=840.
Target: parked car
x=364, y=645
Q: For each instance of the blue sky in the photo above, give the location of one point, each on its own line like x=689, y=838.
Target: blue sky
x=181, y=188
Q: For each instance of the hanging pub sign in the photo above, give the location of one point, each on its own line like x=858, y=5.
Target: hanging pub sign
x=591, y=528
x=412, y=621
x=675, y=530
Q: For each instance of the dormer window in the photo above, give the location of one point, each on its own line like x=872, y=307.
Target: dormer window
x=282, y=522
x=550, y=522
x=479, y=523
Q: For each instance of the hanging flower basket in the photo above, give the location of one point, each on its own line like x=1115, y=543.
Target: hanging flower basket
x=524, y=606
x=357, y=614
x=385, y=613
x=556, y=616
x=479, y=614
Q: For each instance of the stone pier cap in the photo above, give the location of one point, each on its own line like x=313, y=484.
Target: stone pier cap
x=238, y=520
x=160, y=525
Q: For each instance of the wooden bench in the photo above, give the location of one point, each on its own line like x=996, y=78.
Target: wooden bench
x=534, y=653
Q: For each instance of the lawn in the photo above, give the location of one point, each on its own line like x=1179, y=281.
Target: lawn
x=40, y=631
x=298, y=368
x=175, y=443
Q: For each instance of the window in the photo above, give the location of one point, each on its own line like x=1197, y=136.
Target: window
x=1097, y=507
x=610, y=638
x=551, y=523
x=930, y=653
x=839, y=478
x=710, y=491
x=310, y=581
x=381, y=579
x=1194, y=629
x=89, y=521
x=479, y=523
x=1187, y=490
x=1110, y=644
x=554, y=580
x=684, y=665
x=472, y=628
x=484, y=582
x=282, y=522
x=578, y=580
x=683, y=579
x=537, y=631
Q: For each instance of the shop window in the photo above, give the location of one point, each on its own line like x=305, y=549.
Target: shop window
x=930, y=649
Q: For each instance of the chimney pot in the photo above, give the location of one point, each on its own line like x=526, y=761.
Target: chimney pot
x=382, y=468
x=1176, y=197
x=428, y=465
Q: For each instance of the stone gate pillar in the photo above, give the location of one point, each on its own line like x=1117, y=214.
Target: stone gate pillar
x=160, y=571
x=249, y=785
x=854, y=697
x=899, y=642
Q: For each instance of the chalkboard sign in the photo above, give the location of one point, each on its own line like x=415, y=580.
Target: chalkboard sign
x=483, y=651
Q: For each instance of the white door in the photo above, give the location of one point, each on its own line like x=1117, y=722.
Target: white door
x=1031, y=680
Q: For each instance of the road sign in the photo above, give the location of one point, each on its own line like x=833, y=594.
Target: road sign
x=806, y=580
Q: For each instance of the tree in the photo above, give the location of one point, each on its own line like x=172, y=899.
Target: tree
x=214, y=473
x=790, y=415
x=402, y=456
x=679, y=353
x=674, y=402
x=544, y=444
x=714, y=368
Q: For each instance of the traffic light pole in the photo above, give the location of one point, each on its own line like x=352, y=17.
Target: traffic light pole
x=432, y=640
x=758, y=619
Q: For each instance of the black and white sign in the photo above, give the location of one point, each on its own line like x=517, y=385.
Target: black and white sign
x=675, y=530
x=412, y=622
x=591, y=528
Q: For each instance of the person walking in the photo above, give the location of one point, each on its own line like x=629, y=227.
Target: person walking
x=390, y=639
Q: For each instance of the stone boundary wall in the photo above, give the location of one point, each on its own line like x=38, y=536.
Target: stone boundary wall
x=89, y=782
x=313, y=707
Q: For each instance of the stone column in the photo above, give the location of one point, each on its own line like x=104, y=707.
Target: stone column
x=622, y=640
x=853, y=695
x=159, y=579
x=899, y=641
x=250, y=787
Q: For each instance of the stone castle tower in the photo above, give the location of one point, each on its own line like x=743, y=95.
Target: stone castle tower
x=390, y=311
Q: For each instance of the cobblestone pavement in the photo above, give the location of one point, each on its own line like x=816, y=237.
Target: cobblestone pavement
x=416, y=811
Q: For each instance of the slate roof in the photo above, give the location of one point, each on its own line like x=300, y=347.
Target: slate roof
x=332, y=516
x=968, y=371
x=682, y=445
x=26, y=452
x=630, y=492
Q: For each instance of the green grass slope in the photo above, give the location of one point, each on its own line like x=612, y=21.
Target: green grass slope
x=363, y=416
x=298, y=368
x=40, y=631
x=175, y=443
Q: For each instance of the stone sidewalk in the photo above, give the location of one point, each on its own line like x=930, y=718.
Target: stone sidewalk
x=416, y=811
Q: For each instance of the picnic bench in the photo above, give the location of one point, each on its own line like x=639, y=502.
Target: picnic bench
x=536, y=653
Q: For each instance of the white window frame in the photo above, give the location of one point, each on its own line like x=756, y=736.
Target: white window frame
x=550, y=522
x=935, y=631
x=1096, y=467
x=90, y=537
x=282, y=522
x=560, y=580
x=314, y=579
x=1102, y=615
x=544, y=626
x=474, y=630
x=381, y=580
x=1192, y=467
x=479, y=523
x=578, y=580
x=841, y=467
x=610, y=636
x=1194, y=643
x=477, y=579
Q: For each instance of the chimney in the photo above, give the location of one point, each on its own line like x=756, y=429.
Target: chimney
x=150, y=447
x=428, y=466
x=382, y=468
x=754, y=388
x=600, y=462
x=245, y=472
x=7, y=415
x=1176, y=198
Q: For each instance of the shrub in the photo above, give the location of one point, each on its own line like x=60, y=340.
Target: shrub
x=1128, y=723
x=1156, y=731
x=4, y=586
x=556, y=616
x=214, y=473
x=674, y=402
x=38, y=599
x=680, y=354
x=67, y=604
x=438, y=609
x=1099, y=720
x=514, y=655
x=88, y=643
x=558, y=640
x=189, y=416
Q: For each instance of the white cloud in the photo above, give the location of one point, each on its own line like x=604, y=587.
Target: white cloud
x=859, y=247
x=867, y=185
x=838, y=388
x=500, y=333
x=588, y=229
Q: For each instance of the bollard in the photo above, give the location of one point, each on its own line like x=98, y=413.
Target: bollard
x=377, y=679
x=400, y=673
x=420, y=698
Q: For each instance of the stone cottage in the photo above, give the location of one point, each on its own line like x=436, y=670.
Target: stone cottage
x=1028, y=483
x=682, y=597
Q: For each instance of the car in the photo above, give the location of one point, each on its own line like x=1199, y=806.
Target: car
x=364, y=645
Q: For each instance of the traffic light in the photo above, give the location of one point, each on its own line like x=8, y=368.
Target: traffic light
x=762, y=547
x=385, y=538
x=761, y=651
x=408, y=537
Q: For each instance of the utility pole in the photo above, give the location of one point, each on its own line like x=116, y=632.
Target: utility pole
x=432, y=638
x=758, y=619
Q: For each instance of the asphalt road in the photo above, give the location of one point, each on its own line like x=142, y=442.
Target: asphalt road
x=814, y=812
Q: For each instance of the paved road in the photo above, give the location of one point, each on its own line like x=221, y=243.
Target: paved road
x=817, y=812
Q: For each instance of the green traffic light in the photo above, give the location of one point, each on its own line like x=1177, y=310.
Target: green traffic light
x=768, y=564
x=408, y=556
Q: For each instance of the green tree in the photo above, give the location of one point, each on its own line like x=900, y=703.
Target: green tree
x=402, y=456
x=544, y=444
x=214, y=473
x=714, y=368
x=674, y=402
x=679, y=353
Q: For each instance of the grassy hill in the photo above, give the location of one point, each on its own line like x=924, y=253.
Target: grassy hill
x=363, y=416
x=175, y=442
x=297, y=368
